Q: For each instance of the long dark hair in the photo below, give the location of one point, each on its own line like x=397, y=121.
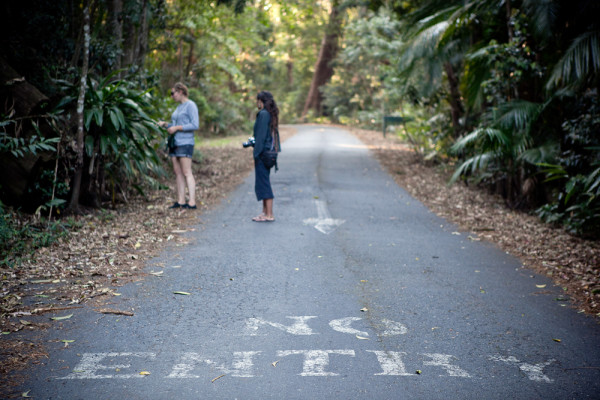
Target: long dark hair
x=271, y=107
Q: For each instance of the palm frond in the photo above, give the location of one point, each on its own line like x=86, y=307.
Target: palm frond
x=581, y=59
x=477, y=70
x=544, y=154
x=474, y=164
x=493, y=137
x=592, y=182
x=424, y=44
x=544, y=13
x=517, y=114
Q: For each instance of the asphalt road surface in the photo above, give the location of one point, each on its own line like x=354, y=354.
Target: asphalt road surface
x=356, y=291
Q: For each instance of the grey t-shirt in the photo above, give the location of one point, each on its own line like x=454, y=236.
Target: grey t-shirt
x=186, y=115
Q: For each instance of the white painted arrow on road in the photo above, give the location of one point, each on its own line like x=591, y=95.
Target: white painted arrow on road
x=323, y=223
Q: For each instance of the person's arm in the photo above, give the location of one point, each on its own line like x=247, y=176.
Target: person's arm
x=261, y=130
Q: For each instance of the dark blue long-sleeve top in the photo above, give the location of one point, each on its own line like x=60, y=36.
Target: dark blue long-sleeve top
x=262, y=132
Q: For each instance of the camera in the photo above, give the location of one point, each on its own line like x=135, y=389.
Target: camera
x=250, y=142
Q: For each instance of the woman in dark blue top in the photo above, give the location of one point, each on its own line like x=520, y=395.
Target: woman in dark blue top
x=266, y=137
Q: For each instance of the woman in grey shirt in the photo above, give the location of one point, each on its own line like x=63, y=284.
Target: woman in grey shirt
x=184, y=121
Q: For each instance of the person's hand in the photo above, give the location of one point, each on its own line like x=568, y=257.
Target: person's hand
x=162, y=124
x=172, y=129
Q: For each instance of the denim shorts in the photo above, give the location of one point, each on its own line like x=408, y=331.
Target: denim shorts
x=182, y=151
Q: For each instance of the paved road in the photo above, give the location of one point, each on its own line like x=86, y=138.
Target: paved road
x=357, y=291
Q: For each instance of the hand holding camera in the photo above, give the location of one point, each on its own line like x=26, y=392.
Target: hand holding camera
x=250, y=143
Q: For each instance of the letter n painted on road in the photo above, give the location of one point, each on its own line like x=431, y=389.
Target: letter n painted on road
x=299, y=327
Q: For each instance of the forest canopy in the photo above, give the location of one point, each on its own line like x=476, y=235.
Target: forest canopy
x=506, y=91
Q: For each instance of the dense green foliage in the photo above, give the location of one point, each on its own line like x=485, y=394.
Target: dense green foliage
x=508, y=90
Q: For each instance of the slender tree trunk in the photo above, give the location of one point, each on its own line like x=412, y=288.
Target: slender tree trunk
x=180, y=59
x=129, y=38
x=323, y=68
x=142, y=36
x=115, y=16
x=511, y=32
x=456, y=106
x=76, y=189
x=190, y=58
x=290, y=73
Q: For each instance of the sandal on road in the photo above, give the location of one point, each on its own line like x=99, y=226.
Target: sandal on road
x=263, y=218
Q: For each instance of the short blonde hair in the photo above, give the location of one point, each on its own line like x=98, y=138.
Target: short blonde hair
x=181, y=87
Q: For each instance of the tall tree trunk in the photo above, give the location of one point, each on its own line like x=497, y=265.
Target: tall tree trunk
x=456, y=106
x=129, y=36
x=511, y=32
x=142, y=47
x=115, y=18
x=290, y=73
x=190, y=57
x=323, y=68
x=74, y=203
x=180, y=59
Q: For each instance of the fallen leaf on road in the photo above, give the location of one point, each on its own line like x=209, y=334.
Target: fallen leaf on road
x=540, y=286
x=557, y=340
x=364, y=309
x=182, y=293
x=61, y=318
x=362, y=338
x=218, y=377
x=144, y=373
x=67, y=341
x=418, y=372
x=116, y=312
x=26, y=394
x=158, y=273
x=275, y=363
